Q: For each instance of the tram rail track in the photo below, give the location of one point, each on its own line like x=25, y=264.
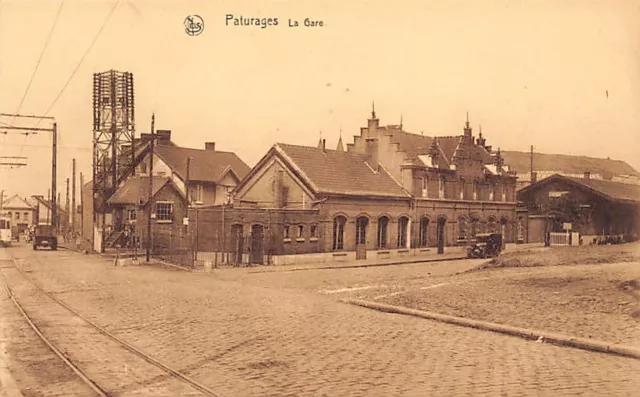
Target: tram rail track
x=101, y=390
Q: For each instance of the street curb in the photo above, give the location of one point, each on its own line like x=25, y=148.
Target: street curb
x=551, y=337
x=284, y=268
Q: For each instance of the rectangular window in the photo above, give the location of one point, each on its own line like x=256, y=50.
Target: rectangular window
x=313, y=232
x=132, y=215
x=462, y=197
x=26, y=215
x=199, y=194
x=425, y=181
x=300, y=231
x=287, y=232
x=164, y=211
x=17, y=216
x=227, y=194
x=441, y=187
x=475, y=190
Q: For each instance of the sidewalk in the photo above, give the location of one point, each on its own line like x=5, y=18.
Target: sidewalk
x=351, y=264
x=451, y=253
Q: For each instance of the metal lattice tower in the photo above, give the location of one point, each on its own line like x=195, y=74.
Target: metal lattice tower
x=113, y=132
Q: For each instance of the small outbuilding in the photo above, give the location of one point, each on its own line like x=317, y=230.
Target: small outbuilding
x=591, y=207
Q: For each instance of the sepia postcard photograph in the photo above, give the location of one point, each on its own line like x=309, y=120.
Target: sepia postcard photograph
x=319, y=198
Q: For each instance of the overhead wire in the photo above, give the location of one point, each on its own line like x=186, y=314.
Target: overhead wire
x=75, y=70
x=35, y=70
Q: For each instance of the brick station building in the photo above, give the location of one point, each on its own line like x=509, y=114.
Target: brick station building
x=390, y=193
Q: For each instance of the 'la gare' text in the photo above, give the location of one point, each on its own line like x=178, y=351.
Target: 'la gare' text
x=239, y=20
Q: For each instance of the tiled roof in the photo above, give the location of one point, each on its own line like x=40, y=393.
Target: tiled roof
x=47, y=203
x=137, y=188
x=332, y=171
x=521, y=163
x=614, y=190
x=206, y=165
x=16, y=201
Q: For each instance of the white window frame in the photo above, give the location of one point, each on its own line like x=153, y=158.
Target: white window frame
x=135, y=214
x=162, y=219
x=199, y=193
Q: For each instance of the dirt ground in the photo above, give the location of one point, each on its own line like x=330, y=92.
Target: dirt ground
x=569, y=290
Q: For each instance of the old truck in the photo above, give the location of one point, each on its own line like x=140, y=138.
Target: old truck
x=45, y=236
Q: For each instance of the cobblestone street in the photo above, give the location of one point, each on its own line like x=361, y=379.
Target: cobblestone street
x=244, y=332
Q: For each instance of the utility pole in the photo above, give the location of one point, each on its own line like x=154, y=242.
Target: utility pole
x=73, y=197
x=81, y=206
x=48, y=202
x=54, y=154
x=57, y=214
x=66, y=204
x=186, y=183
x=149, y=197
x=54, y=176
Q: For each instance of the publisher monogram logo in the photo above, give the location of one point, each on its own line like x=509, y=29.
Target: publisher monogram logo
x=193, y=25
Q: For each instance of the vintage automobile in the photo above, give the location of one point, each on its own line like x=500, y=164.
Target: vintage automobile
x=45, y=236
x=485, y=245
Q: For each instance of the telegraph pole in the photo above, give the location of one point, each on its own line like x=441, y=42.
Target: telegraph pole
x=187, y=182
x=66, y=204
x=81, y=206
x=73, y=197
x=149, y=202
x=48, y=210
x=54, y=176
x=54, y=154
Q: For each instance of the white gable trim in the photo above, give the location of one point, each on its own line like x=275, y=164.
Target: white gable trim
x=262, y=170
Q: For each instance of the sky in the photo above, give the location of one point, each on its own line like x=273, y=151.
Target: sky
x=561, y=76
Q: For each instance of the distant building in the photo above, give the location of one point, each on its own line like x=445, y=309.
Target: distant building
x=19, y=211
x=546, y=165
x=43, y=212
x=390, y=193
x=590, y=206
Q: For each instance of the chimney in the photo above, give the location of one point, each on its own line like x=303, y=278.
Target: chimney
x=587, y=175
x=163, y=137
x=371, y=151
x=210, y=146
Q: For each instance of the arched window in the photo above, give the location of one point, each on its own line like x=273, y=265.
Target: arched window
x=491, y=225
x=475, y=224
x=462, y=228
x=361, y=229
x=423, y=232
x=403, y=227
x=383, y=223
x=338, y=232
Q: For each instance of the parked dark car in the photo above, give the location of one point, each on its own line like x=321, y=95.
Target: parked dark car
x=45, y=236
x=485, y=245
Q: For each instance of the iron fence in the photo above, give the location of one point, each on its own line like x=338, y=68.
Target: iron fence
x=174, y=247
